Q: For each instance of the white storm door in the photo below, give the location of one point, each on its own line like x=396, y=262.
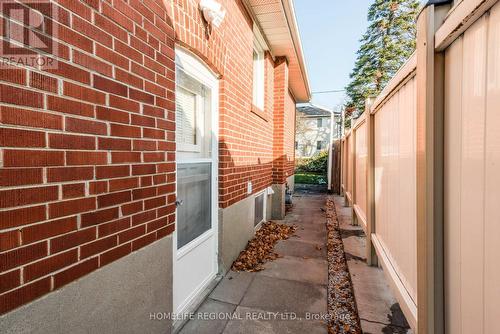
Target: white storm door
x=195, y=239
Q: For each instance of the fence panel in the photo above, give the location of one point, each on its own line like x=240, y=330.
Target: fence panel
x=472, y=178
x=344, y=165
x=395, y=185
x=348, y=168
x=360, y=171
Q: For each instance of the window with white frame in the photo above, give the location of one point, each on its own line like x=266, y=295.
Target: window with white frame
x=193, y=101
x=260, y=207
x=258, y=70
x=187, y=116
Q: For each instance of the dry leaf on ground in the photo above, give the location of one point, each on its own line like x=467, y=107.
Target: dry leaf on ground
x=259, y=250
x=341, y=303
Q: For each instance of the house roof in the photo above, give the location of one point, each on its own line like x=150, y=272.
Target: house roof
x=309, y=109
x=276, y=20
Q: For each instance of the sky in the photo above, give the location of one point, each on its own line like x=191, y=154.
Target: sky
x=330, y=32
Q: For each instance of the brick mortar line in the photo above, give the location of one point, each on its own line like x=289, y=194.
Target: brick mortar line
x=78, y=247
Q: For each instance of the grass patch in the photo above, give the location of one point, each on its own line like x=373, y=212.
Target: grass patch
x=310, y=178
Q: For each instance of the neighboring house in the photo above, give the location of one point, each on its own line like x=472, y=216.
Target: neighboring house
x=137, y=169
x=315, y=129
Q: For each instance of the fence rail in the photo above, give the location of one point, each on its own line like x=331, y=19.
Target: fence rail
x=421, y=169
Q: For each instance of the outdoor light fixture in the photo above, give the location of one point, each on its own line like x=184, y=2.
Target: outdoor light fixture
x=213, y=12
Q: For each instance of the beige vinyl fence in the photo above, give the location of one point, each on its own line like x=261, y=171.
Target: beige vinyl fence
x=354, y=181
x=425, y=173
x=394, y=119
x=360, y=156
x=347, y=167
x=472, y=178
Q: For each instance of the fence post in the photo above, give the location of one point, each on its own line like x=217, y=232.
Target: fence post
x=430, y=108
x=371, y=255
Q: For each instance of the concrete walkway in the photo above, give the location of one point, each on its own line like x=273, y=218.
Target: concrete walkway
x=378, y=309
x=280, y=298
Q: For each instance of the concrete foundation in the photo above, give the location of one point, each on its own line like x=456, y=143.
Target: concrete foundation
x=236, y=227
x=278, y=204
x=278, y=198
x=118, y=298
x=291, y=183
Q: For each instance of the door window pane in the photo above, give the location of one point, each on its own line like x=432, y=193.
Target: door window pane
x=195, y=197
x=185, y=116
x=193, y=116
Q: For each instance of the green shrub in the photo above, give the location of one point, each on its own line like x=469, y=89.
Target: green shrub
x=317, y=164
x=309, y=178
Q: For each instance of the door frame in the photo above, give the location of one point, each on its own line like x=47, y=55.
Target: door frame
x=196, y=68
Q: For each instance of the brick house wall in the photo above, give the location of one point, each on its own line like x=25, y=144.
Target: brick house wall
x=284, y=125
x=289, y=136
x=87, y=168
x=246, y=137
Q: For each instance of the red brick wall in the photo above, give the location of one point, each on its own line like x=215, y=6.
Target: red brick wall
x=87, y=164
x=284, y=125
x=289, y=135
x=246, y=143
x=87, y=150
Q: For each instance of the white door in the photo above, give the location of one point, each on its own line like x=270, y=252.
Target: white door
x=195, y=237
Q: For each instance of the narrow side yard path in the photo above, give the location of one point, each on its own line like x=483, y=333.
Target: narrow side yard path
x=377, y=308
x=288, y=296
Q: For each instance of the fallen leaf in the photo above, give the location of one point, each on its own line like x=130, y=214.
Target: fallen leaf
x=259, y=250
